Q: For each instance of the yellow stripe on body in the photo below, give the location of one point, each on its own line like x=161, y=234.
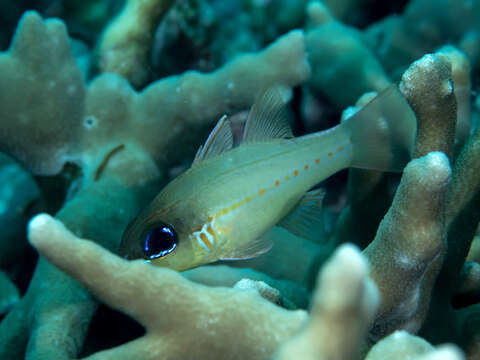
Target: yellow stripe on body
x=263, y=191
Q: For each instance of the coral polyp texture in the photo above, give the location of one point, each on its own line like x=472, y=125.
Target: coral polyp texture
x=102, y=103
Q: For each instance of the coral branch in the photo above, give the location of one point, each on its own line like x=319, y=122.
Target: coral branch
x=339, y=57
x=67, y=122
x=428, y=88
x=408, y=249
x=126, y=42
x=184, y=320
x=401, y=345
x=342, y=311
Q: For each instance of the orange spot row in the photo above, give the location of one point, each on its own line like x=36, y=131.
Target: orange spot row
x=236, y=205
x=224, y=211
x=276, y=184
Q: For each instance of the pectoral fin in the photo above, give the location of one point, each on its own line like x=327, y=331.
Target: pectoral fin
x=250, y=250
x=306, y=218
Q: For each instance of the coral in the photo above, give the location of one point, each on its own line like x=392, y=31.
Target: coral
x=86, y=120
x=461, y=78
x=337, y=55
x=125, y=45
x=428, y=87
x=423, y=27
x=407, y=250
x=291, y=294
x=99, y=150
x=9, y=293
x=195, y=34
x=401, y=345
x=365, y=187
x=337, y=326
x=17, y=195
x=343, y=309
x=174, y=310
x=111, y=132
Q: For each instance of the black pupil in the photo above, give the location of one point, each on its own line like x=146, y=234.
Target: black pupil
x=159, y=241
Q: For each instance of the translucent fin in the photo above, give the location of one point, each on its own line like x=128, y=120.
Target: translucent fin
x=219, y=141
x=250, y=250
x=306, y=219
x=383, y=132
x=267, y=118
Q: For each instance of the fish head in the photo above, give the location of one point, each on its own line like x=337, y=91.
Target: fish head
x=160, y=235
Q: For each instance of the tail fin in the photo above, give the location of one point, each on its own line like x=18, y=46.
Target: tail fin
x=383, y=132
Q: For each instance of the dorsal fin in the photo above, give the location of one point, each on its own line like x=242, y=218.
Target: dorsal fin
x=219, y=141
x=267, y=118
x=305, y=220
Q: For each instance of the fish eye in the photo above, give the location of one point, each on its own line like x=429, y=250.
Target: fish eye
x=159, y=242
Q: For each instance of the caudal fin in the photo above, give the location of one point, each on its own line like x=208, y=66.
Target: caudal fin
x=383, y=132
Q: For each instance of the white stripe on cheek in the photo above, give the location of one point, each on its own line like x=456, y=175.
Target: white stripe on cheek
x=205, y=238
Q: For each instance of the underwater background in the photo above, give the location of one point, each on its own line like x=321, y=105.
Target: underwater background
x=102, y=103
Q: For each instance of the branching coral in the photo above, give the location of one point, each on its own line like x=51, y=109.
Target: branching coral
x=125, y=142
x=190, y=321
x=338, y=56
x=125, y=45
x=401, y=345
x=176, y=311
x=423, y=27
x=71, y=122
x=343, y=308
x=411, y=239
x=17, y=194
x=88, y=123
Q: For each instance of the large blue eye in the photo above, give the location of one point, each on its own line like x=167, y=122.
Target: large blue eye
x=160, y=241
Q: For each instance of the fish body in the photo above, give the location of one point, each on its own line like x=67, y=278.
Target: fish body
x=221, y=206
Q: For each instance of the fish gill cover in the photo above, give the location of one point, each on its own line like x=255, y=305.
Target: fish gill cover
x=102, y=103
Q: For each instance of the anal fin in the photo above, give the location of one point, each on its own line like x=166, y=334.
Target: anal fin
x=306, y=218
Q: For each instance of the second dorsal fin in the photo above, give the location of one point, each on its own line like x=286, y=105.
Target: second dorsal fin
x=267, y=119
x=219, y=141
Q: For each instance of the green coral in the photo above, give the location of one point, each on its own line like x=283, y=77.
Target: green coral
x=71, y=122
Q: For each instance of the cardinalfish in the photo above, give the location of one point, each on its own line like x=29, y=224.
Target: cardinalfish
x=220, y=208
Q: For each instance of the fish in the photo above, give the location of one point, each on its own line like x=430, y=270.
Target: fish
x=231, y=195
